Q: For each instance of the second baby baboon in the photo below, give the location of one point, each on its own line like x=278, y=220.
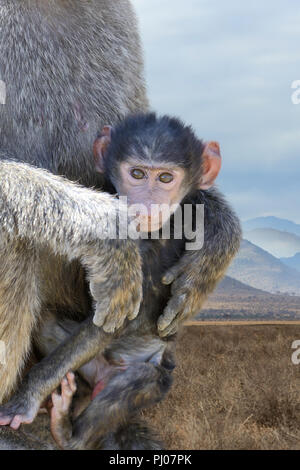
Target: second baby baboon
x=149, y=160
x=125, y=434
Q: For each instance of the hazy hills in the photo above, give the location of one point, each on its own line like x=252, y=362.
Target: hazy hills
x=263, y=282
x=259, y=269
x=293, y=262
x=279, y=244
x=230, y=287
x=276, y=223
x=233, y=300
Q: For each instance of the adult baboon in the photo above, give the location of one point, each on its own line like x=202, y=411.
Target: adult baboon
x=69, y=67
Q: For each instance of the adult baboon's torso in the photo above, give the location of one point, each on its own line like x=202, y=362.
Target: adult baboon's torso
x=69, y=68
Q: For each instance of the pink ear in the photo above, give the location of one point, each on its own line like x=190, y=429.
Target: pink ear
x=100, y=146
x=211, y=165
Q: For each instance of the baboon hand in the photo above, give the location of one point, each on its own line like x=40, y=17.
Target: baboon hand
x=118, y=303
x=20, y=409
x=115, y=276
x=187, y=296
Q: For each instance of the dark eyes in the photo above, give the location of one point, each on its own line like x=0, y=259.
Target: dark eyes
x=137, y=174
x=166, y=177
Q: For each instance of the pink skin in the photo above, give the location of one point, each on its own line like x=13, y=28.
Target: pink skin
x=19, y=419
x=61, y=404
x=150, y=185
x=150, y=191
x=98, y=372
x=212, y=162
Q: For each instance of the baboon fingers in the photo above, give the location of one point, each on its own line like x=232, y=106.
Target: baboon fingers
x=172, y=310
x=72, y=382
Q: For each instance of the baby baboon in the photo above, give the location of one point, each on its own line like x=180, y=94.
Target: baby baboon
x=128, y=434
x=151, y=161
x=131, y=435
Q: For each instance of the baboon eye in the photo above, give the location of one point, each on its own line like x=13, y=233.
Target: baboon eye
x=137, y=174
x=166, y=177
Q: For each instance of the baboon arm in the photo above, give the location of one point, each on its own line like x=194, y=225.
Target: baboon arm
x=44, y=377
x=83, y=345
x=137, y=387
x=198, y=272
x=48, y=210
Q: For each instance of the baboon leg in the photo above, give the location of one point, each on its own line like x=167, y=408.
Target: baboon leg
x=86, y=341
x=53, y=330
x=138, y=386
x=19, y=309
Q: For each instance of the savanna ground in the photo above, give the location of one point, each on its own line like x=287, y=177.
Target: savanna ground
x=235, y=387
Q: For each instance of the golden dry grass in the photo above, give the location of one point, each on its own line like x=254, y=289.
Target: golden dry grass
x=235, y=388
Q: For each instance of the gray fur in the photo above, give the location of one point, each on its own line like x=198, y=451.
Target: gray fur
x=69, y=68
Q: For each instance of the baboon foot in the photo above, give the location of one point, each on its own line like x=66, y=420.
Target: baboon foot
x=18, y=411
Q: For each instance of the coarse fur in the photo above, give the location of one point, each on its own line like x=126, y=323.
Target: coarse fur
x=69, y=67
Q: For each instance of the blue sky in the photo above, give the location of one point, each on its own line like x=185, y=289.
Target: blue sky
x=227, y=69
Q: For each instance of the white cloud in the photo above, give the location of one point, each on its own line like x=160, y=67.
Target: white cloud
x=227, y=68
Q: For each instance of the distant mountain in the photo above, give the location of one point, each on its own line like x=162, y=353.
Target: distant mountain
x=278, y=243
x=233, y=300
x=233, y=288
x=276, y=223
x=293, y=262
x=259, y=269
